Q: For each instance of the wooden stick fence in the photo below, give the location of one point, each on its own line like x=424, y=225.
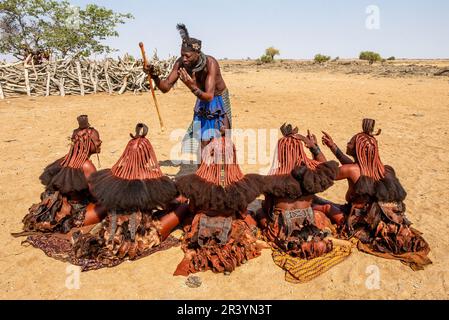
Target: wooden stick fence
x=77, y=76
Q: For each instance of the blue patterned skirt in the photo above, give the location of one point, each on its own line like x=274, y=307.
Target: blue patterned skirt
x=207, y=121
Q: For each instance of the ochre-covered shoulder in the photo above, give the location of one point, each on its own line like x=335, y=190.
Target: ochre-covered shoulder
x=211, y=59
x=88, y=168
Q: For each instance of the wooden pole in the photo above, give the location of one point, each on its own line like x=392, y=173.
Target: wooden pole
x=108, y=82
x=93, y=79
x=47, y=85
x=80, y=77
x=2, y=96
x=125, y=83
x=27, y=79
x=144, y=57
x=61, y=87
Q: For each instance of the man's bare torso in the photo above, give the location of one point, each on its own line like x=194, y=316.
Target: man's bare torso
x=201, y=76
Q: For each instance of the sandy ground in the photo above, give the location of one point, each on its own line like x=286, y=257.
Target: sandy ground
x=413, y=113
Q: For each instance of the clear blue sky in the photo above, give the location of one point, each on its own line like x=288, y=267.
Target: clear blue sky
x=299, y=29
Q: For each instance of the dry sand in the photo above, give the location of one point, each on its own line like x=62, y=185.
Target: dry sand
x=413, y=113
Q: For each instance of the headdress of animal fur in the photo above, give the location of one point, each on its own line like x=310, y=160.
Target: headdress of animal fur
x=188, y=43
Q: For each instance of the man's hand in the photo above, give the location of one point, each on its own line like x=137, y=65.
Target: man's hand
x=189, y=81
x=327, y=140
x=149, y=69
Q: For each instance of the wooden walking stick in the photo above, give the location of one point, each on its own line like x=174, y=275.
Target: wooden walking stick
x=144, y=57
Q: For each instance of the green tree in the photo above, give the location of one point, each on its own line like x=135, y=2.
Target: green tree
x=266, y=58
x=370, y=56
x=272, y=52
x=321, y=58
x=269, y=55
x=44, y=27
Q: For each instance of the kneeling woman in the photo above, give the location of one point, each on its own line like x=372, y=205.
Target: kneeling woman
x=375, y=209
x=220, y=234
x=140, y=203
x=67, y=202
x=287, y=219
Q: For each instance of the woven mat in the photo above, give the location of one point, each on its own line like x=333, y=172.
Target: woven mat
x=299, y=270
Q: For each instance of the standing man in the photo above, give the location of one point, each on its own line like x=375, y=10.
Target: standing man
x=201, y=74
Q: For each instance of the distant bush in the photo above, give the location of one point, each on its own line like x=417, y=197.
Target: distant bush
x=370, y=56
x=266, y=58
x=391, y=59
x=335, y=59
x=269, y=55
x=272, y=52
x=321, y=58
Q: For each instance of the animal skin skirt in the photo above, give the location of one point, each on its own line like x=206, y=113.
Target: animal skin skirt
x=295, y=233
x=107, y=244
x=384, y=230
x=217, y=243
x=55, y=213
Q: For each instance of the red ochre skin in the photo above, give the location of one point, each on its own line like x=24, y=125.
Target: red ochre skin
x=291, y=154
x=173, y=219
x=94, y=212
x=321, y=221
x=351, y=170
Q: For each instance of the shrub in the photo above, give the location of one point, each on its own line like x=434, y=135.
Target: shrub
x=272, y=52
x=370, y=56
x=268, y=57
x=321, y=58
